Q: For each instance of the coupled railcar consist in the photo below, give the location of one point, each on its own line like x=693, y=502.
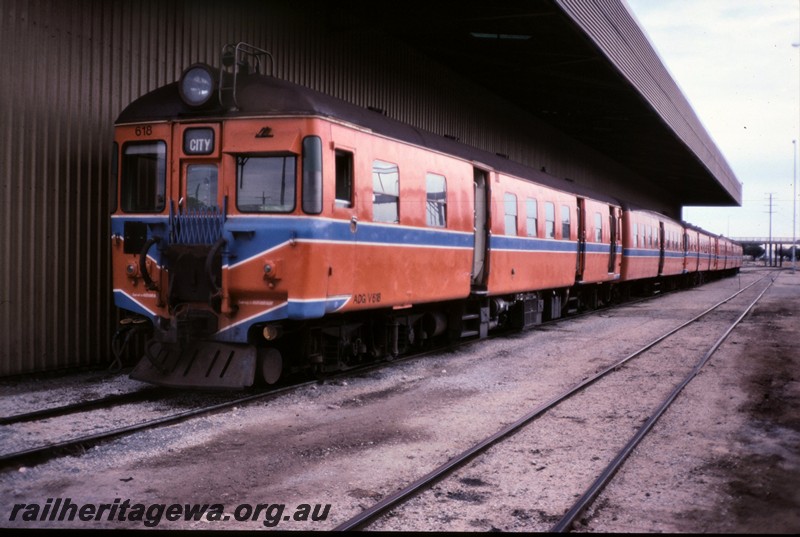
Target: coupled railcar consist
x=260, y=227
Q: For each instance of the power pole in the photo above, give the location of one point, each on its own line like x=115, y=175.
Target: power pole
x=769, y=244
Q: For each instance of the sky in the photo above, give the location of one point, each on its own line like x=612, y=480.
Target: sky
x=736, y=64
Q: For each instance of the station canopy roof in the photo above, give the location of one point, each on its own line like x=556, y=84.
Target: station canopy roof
x=584, y=67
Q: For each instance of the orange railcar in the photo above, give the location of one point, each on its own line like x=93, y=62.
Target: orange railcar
x=259, y=226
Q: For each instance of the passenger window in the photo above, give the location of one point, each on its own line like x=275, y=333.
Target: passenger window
x=344, y=177
x=385, y=192
x=510, y=202
x=565, y=217
x=635, y=235
x=436, y=200
x=550, y=220
x=144, y=177
x=531, y=217
x=598, y=227
x=266, y=184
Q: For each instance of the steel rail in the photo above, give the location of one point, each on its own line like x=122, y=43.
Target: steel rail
x=563, y=525
x=41, y=453
x=51, y=449
x=69, y=408
x=457, y=461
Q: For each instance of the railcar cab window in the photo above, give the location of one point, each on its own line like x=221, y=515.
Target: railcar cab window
x=550, y=220
x=344, y=178
x=266, y=184
x=531, y=217
x=385, y=192
x=510, y=202
x=436, y=200
x=144, y=177
x=201, y=186
x=565, y=222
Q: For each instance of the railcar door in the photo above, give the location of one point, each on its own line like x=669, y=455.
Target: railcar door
x=612, y=254
x=660, y=248
x=481, y=229
x=581, y=261
x=342, y=263
x=196, y=215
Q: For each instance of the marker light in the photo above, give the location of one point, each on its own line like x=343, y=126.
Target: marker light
x=197, y=85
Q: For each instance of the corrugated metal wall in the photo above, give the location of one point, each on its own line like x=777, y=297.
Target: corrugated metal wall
x=71, y=67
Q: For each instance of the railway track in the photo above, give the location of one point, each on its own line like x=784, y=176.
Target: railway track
x=43, y=450
x=48, y=448
x=40, y=450
x=69, y=408
x=565, y=523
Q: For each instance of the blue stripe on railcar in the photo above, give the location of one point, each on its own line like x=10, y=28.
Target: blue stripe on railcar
x=531, y=244
x=127, y=302
x=640, y=252
x=253, y=236
x=293, y=309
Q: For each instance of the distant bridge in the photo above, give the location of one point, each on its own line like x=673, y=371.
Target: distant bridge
x=764, y=240
x=773, y=245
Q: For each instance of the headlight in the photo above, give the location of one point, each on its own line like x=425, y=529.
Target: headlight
x=197, y=85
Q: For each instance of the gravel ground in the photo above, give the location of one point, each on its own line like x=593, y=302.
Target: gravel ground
x=725, y=458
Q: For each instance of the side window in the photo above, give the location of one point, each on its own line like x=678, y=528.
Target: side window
x=510, y=203
x=344, y=177
x=385, y=192
x=598, y=227
x=266, y=184
x=565, y=222
x=550, y=220
x=635, y=235
x=436, y=200
x=531, y=217
x=144, y=177
x=312, y=175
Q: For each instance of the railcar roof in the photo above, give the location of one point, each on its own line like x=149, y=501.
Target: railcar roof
x=268, y=96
